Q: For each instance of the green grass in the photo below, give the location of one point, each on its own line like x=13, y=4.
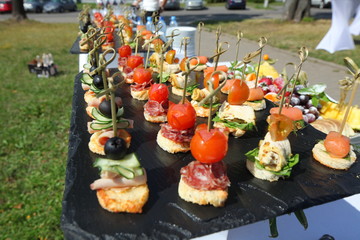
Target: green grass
x=34, y=129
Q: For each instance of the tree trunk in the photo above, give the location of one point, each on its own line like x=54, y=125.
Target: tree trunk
x=295, y=10
x=18, y=11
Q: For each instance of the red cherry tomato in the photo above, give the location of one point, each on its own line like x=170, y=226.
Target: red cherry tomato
x=142, y=75
x=159, y=92
x=181, y=116
x=135, y=61
x=215, y=80
x=208, y=146
x=239, y=93
x=125, y=51
x=109, y=37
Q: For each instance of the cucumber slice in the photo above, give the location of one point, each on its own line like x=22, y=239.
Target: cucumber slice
x=129, y=161
x=139, y=171
x=94, y=89
x=87, y=66
x=97, y=125
x=86, y=79
x=128, y=167
x=100, y=125
x=125, y=172
x=99, y=116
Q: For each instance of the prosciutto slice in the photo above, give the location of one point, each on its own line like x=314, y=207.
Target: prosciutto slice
x=154, y=108
x=140, y=87
x=175, y=135
x=203, y=176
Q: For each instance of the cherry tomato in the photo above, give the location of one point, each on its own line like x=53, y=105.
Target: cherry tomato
x=337, y=145
x=280, y=126
x=109, y=37
x=208, y=146
x=239, y=93
x=159, y=92
x=125, y=51
x=135, y=61
x=215, y=80
x=181, y=116
x=142, y=75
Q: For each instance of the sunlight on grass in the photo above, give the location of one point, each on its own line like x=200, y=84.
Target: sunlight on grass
x=35, y=121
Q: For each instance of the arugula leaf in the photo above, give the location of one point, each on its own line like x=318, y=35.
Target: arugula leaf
x=252, y=155
x=231, y=124
x=190, y=89
x=256, y=101
x=165, y=77
x=214, y=105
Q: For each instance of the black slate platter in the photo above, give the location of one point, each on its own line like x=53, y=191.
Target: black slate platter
x=166, y=216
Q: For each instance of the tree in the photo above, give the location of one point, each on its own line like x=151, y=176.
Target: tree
x=18, y=11
x=296, y=10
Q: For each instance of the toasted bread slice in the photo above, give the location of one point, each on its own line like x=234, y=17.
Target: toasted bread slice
x=216, y=198
x=127, y=199
x=155, y=119
x=140, y=95
x=171, y=146
x=320, y=154
x=261, y=173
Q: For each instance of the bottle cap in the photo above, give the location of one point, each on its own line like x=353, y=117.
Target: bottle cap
x=173, y=17
x=148, y=18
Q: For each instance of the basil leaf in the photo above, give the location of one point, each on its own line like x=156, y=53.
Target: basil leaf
x=314, y=101
x=313, y=90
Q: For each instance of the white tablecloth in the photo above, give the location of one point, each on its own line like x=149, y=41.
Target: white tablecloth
x=339, y=37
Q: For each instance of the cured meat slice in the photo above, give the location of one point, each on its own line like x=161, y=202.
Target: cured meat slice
x=203, y=176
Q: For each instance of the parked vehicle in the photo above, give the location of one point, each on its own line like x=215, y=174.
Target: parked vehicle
x=235, y=4
x=5, y=6
x=34, y=5
x=321, y=3
x=172, y=5
x=194, y=4
x=60, y=6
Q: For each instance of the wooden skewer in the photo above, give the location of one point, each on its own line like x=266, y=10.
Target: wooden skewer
x=352, y=97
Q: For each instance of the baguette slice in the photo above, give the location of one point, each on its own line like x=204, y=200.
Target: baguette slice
x=170, y=145
x=216, y=198
x=261, y=173
x=127, y=199
x=320, y=154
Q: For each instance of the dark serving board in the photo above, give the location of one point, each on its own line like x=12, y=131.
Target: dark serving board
x=165, y=215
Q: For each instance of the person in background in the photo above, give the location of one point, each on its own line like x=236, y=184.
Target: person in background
x=150, y=7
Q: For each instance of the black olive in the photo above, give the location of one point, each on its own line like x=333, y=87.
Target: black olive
x=98, y=82
x=115, y=148
x=105, y=108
